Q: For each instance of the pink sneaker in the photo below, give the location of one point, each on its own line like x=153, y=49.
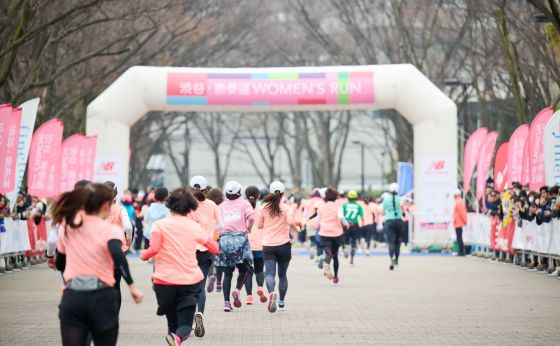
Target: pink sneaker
x=236, y=300
x=272, y=304
x=335, y=280
x=173, y=339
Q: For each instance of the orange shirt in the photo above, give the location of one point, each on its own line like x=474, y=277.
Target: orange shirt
x=206, y=215
x=329, y=222
x=311, y=206
x=459, y=213
x=176, y=262
x=298, y=214
x=256, y=234
x=276, y=230
x=87, y=249
x=368, y=214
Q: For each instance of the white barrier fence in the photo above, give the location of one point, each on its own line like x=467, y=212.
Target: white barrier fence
x=543, y=239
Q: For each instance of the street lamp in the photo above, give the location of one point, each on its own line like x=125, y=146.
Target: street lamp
x=362, y=145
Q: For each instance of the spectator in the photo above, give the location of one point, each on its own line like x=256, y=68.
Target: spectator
x=459, y=220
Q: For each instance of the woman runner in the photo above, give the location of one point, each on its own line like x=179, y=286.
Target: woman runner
x=207, y=215
x=353, y=213
x=89, y=250
x=177, y=276
x=276, y=220
x=255, y=240
x=235, y=251
x=393, y=225
x=331, y=219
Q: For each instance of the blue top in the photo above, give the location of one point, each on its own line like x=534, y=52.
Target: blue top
x=392, y=213
x=156, y=211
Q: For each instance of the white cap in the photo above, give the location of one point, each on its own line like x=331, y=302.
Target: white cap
x=394, y=187
x=276, y=186
x=199, y=182
x=233, y=188
x=456, y=192
x=323, y=192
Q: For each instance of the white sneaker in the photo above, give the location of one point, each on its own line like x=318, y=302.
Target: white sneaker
x=199, y=325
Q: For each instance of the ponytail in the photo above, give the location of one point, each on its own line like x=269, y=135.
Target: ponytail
x=89, y=198
x=252, y=193
x=198, y=193
x=394, y=207
x=272, y=203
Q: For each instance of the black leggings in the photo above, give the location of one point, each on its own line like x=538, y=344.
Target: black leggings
x=331, y=246
x=393, y=231
x=270, y=265
x=72, y=335
x=228, y=276
x=353, y=235
x=259, y=275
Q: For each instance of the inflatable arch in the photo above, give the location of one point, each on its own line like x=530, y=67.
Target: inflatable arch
x=402, y=87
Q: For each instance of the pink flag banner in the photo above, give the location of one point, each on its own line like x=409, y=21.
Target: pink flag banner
x=87, y=157
x=8, y=157
x=484, y=161
x=536, y=149
x=525, y=170
x=77, y=161
x=5, y=116
x=516, y=149
x=70, y=162
x=501, y=167
x=471, y=155
x=44, y=160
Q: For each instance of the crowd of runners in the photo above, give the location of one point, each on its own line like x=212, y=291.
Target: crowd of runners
x=195, y=239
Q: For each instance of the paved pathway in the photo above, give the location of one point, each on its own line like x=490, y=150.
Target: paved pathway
x=429, y=300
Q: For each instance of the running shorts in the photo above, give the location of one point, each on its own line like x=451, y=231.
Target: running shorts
x=280, y=253
x=90, y=310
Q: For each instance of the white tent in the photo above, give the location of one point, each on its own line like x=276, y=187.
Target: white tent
x=402, y=87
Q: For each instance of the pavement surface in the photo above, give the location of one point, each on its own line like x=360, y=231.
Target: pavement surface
x=428, y=300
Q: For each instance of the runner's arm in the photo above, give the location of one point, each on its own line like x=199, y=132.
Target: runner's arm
x=155, y=246
x=121, y=264
x=126, y=223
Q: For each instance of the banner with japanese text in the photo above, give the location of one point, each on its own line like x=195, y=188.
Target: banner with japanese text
x=516, y=150
x=8, y=156
x=536, y=149
x=44, y=160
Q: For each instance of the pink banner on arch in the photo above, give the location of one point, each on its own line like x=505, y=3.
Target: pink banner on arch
x=501, y=167
x=516, y=150
x=44, y=160
x=536, y=149
x=77, y=161
x=471, y=155
x=8, y=156
x=484, y=161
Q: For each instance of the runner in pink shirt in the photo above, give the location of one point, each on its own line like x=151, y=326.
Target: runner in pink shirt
x=207, y=215
x=331, y=219
x=238, y=218
x=255, y=240
x=89, y=250
x=276, y=220
x=177, y=276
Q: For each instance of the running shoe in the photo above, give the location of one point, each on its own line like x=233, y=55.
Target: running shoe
x=249, y=300
x=260, y=293
x=211, y=283
x=173, y=339
x=320, y=264
x=236, y=300
x=335, y=280
x=281, y=305
x=392, y=266
x=219, y=287
x=227, y=306
x=199, y=325
x=272, y=304
x=327, y=270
